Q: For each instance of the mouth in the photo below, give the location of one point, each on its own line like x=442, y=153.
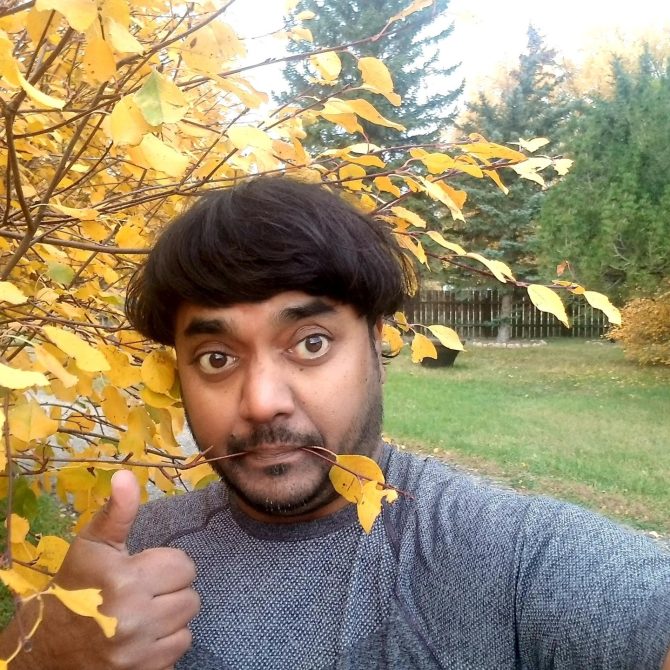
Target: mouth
x=273, y=453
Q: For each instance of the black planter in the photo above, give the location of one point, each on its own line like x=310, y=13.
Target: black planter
x=445, y=357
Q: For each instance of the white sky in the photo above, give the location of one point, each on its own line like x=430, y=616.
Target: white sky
x=487, y=33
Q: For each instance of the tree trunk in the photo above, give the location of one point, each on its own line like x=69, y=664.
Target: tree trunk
x=504, y=326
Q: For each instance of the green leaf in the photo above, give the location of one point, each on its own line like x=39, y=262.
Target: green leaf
x=60, y=273
x=160, y=100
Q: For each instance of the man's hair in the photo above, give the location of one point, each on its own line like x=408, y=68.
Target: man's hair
x=263, y=237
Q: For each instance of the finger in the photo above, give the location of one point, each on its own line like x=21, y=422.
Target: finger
x=164, y=569
x=112, y=523
x=172, y=612
x=167, y=651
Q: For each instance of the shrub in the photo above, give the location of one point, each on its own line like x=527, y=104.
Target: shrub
x=645, y=330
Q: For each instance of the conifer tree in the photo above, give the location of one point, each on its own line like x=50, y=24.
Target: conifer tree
x=532, y=104
x=610, y=216
x=410, y=51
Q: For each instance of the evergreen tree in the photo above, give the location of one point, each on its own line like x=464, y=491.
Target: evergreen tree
x=533, y=104
x=610, y=216
x=410, y=50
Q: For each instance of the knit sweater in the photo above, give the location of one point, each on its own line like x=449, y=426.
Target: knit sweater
x=456, y=575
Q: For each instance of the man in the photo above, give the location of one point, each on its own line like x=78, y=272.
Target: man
x=273, y=295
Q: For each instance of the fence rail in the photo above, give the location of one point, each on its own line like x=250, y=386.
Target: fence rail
x=476, y=313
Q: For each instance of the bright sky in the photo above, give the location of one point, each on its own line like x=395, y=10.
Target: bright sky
x=489, y=33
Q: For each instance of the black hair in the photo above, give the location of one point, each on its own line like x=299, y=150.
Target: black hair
x=262, y=237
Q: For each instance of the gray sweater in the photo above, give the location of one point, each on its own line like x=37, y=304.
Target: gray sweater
x=460, y=576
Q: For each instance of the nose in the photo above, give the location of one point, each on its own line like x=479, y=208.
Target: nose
x=266, y=392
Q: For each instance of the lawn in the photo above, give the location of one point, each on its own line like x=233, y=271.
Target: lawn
x=571, y=419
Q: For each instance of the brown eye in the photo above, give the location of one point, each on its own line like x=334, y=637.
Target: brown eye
x=214, y=361
x=313, y=346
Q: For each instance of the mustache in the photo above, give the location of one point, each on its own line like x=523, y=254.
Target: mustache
x=266, y=434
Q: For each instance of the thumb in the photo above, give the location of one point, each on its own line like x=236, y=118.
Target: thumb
x=112, y=523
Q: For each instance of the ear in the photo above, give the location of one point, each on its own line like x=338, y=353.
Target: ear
x=377, y=338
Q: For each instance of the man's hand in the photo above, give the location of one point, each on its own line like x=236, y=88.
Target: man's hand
x=149, y=593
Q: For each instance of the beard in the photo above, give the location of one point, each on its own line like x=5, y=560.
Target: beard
x=293, y=489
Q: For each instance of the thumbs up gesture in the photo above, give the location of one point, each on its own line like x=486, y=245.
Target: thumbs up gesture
x=149, y=593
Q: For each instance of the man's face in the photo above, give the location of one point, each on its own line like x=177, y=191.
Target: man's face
x=261, y=380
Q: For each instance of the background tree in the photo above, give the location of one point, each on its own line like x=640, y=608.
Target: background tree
x=610, y=217
x=115, y=117
x=531, y=104
x=411, y=54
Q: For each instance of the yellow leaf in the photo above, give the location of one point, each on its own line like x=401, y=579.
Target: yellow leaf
x=499, y=269
x=154, y=399
x=409, y=216
x=85, y=602
x=401, y=320
x=98, y=61
x=12, y=378
x=437, y=237
x=443, y=193
x=160, y=100
x=94, y=231
x=51, y=551
x=158, y=371
x=375, y=74
x=393, y=338
x=86, y=357
x=209, y=48
x=359, y=469
x=115, y=406
x=492, y=150
x=348, y=121
x=18, y=584
x=602, y=302
x=328, y=65
x=385, y=184
x=529, y=168
x=299, y=34
x=122, y=39
x=19, y=529
x=533, y=145
x=447, y=336
x=305, y=15
x=416, y=6
x=415, y=247
x=244, y=137
x=437, y=163
x=79, y=14
x=562, y=165
x=84, y=214
x=38, y=96
x=369, y=506
x=28, y=421
x=127, y=124
x=547, y=300
x=160, y=156
x=351, y=175
x=11, y=294
x=422, y=348
x=360, y=107
x=122, y=373
x=50, y=363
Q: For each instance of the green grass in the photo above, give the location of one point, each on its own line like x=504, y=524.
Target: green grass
x=48, y=517
x=571, y=419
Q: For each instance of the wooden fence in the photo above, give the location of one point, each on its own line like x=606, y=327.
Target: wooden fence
x=475, y=314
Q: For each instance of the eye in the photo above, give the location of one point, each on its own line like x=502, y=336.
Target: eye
x=212, y=362
x=312, y=346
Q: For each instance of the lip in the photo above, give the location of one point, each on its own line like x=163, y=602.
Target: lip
x=272, y=454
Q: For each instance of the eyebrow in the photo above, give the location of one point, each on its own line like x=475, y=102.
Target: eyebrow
x=314, y=307
x=220, y=326
x=200, y=326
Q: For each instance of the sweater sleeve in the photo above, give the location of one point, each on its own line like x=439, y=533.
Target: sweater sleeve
x=589, y=593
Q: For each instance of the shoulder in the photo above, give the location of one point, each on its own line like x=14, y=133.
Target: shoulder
x=161, y=520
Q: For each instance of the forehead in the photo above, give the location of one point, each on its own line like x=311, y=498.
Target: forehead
x=245, y=319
